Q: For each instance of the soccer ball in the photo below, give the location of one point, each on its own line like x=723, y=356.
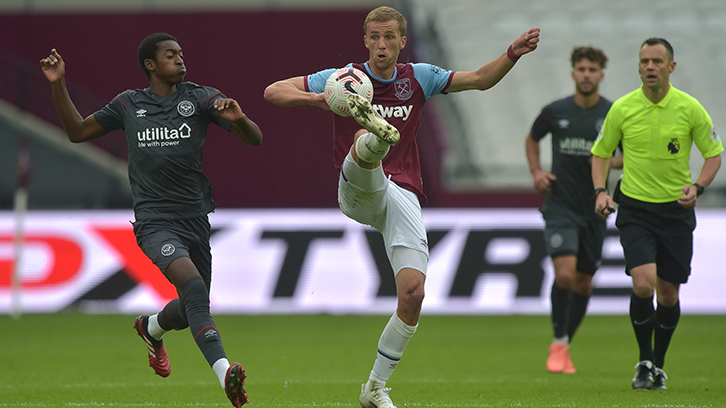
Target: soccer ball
x=341, y=83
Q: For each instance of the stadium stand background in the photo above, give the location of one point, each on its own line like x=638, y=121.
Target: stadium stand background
x=472, y=144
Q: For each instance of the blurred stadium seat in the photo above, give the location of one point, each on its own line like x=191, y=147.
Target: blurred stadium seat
x=464, y=34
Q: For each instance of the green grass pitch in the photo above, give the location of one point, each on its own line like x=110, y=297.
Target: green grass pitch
x=79, y=360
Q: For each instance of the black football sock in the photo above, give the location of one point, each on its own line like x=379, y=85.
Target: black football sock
x=578, y=309
x=667, y=321
x=173, y=316
x=560, y=307
x=204, y=331
x=642, y=316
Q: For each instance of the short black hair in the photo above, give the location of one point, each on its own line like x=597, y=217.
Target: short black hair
x=595, y=55
x=655, y=41
x=149, y=46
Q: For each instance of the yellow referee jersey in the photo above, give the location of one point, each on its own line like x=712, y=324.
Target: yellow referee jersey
x=656, y=141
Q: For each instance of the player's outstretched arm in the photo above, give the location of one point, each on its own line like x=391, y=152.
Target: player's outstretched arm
x=77, y=128
x=491, y=73
x=242, y=126
x=291, y=92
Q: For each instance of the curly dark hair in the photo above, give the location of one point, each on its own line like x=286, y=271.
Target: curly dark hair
x=149, y=46
x=595, y=55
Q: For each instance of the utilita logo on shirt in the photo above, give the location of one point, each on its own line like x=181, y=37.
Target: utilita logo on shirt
x=575, y=146
x=162, y=137
x=394, y=111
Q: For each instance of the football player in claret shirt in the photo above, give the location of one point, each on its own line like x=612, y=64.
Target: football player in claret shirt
x=166, y=127
x=380, y=176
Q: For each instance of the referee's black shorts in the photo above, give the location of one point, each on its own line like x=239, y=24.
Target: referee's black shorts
x=660, y=233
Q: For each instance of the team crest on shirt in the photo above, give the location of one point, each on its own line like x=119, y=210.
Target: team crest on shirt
x=167, y=249
x=436, y=69
x=403, y=89
x=185, y=108
x=556, y=240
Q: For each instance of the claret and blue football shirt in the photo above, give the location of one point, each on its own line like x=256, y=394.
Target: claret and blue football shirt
x=400, y=101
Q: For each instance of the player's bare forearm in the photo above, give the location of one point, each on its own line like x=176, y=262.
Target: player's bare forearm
x=531, y=147
x=482, y=79
x=291, y=92
x=600, y=168
x=604, y=205
x=542, y=179
x=689, y=192
x=240, y=125
x=708, y=171
x=247, y=131
x=78, y=129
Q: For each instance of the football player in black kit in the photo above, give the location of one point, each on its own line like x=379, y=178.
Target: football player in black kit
x=574, y=234
x=166, y=127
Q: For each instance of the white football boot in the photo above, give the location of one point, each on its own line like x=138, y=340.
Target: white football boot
x=363, y=113
x=374, y=395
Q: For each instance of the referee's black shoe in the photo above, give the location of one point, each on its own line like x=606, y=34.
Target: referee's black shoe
x=660, y=379
x=644, y=377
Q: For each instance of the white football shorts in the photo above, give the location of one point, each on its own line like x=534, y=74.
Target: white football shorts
x=368, y=197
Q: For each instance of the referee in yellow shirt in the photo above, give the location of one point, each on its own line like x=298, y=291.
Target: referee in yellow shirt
x=657, y=125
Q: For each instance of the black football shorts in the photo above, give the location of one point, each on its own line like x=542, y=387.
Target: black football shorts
x=164, y=241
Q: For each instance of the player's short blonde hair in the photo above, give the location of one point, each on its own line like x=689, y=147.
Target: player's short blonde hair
x=383, y=14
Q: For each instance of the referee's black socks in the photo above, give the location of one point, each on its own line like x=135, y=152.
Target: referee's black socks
x=667, y=321
x=578, y=308
x=642, y=315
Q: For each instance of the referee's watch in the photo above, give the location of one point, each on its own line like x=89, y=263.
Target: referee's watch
x=600, y=190
x=699, y=189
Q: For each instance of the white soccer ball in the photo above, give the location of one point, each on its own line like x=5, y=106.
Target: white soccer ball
x=341, y=83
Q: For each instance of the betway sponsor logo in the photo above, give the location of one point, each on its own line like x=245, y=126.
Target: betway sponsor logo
x=394, y=111
x=576, y=146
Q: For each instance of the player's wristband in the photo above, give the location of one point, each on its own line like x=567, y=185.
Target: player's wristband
x=512, y=55
x=598, y=191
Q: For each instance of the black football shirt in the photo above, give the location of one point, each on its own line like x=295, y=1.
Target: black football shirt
x=574, y=131
x=166, y=138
